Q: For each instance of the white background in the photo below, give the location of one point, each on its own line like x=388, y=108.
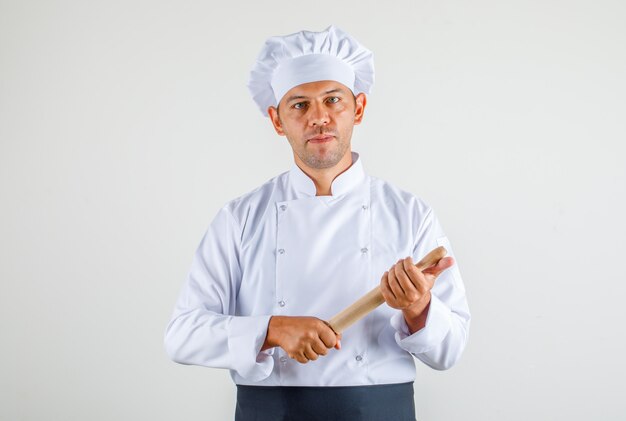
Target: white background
x=125, y=126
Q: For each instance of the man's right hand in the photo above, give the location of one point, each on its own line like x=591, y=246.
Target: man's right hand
x=303, y=338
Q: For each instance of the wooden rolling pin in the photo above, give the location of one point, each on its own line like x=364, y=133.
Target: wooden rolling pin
x=374, y=298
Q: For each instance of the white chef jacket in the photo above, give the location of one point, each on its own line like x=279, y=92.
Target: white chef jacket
x=282, y=250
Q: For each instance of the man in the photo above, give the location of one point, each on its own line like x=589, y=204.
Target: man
x=277, y=262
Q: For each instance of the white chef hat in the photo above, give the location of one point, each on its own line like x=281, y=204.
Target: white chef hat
x=305, y=56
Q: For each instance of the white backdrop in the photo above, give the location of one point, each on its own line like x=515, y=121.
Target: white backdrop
x=125, y=126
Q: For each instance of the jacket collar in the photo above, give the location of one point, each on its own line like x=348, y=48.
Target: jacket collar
x=342, y=184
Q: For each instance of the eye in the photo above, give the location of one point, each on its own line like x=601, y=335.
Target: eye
x=299, y=105
x=334, y=99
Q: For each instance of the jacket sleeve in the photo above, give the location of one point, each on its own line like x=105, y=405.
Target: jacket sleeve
x=204, y=328
x=442, y=340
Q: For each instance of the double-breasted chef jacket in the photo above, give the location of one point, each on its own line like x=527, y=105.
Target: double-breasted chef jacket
x=282, y=250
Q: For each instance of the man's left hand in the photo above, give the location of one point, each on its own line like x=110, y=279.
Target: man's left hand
x=406, y=288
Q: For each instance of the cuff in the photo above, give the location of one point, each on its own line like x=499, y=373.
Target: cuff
x=245, y=339
x=438, y=324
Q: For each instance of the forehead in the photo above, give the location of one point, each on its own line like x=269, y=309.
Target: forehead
x=315, y=89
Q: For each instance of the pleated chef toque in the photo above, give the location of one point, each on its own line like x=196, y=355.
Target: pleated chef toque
x=305, y=56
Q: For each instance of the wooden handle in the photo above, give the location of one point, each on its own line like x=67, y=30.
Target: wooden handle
x=374, y=298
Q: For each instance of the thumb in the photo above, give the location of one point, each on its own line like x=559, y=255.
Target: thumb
x=443, y=264
x=338, y=344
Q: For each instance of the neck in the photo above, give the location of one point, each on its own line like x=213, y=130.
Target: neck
x=323, y=177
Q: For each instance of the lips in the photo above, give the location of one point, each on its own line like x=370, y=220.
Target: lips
x=321, y=138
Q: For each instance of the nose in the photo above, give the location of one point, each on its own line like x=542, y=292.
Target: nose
x=318, y=115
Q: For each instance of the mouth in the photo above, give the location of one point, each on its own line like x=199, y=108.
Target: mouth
x=321, y=138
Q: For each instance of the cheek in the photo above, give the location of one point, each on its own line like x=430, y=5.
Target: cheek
x=293, y=121
x=345, y=119
x=288, y=124
x=345, y=112
x=341, y=109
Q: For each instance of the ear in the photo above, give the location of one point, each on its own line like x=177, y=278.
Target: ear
x=273, y=114
x=360, y=103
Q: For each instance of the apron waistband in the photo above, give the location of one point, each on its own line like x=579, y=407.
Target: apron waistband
x=337, y=403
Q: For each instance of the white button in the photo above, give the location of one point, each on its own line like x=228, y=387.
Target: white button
x=364, y=207
x=358, y=358
x=281, y=251
x=364, y=250
x=283, y=207
x=281, y=303
x=283, y=360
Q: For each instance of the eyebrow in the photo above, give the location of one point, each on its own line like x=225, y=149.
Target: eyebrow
x=332, y=91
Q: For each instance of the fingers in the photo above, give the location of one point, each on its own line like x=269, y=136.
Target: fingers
x=308, y=339
x=328, y=337
x=405, y=279
x=301, y=358
x=310, y=354
x=415, y=279
x=404, y=284
x=410, y=278
x=384, y=287
x=394, y=285
x=318, y=348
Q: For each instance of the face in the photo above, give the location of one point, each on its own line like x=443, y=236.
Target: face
x=317, y=118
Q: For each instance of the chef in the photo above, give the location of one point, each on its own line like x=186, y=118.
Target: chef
x=277, y=262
